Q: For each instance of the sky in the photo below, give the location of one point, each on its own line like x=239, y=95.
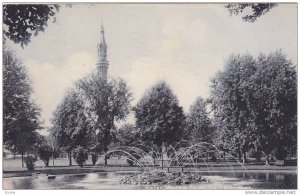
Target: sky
x=183, y=44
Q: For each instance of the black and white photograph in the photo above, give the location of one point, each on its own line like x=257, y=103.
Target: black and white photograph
x=149, y=96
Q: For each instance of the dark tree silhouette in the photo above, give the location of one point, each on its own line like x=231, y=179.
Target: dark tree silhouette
x=198, y=124
x=159, y=118
x=127, y=134
x=45, y=152
x=255, y=104
x=257, y=9
x=230, y=93
x=21, y=21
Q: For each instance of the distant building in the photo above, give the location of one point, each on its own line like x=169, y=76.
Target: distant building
x=102, y=63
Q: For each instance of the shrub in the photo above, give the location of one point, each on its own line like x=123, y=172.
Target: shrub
x=45, y=152
x=30, y=162
x=280, y=153
x=80, y=155
x=213, y=157
x=94, y=158
x=257, y=154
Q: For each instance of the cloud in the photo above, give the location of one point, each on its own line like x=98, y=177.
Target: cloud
x=50, y=81
x=184, y=44
x=145, y=72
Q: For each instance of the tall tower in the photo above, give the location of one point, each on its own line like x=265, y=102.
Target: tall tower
x=102, y=63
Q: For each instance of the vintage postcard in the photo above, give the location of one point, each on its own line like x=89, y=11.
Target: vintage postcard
x=149, y=96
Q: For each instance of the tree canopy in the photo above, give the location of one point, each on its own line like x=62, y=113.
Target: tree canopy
x=159, y=118
x=256, y=9
x=275, y=108
x=127, y=134
x=106, y=103
x=21, y=21
x=70, y=125
x=20, y=114
x=198, y=124
x=254, y=102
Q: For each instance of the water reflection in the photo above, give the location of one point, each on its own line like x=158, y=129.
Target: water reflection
x=110, y=180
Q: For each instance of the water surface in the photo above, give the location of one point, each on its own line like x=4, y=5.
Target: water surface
x=110, y=180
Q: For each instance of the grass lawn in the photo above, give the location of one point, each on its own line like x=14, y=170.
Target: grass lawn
x=16, y=164
x=13, y=167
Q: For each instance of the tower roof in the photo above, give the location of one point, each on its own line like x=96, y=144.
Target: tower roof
x=102, y=40
x=102, y=63
x=102, y=28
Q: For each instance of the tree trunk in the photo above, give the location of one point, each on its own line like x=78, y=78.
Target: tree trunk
x=105, y=157
x=105, y=161
x=70, y=158
x=53, y=162
x=22, y=160
x=244, y=158
x=94, y=159
x=53, y=158
x=240, y=156
x=162, y=161
x=267, y=160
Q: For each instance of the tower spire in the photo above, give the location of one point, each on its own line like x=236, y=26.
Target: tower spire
x=102, y=63
x=102, y=34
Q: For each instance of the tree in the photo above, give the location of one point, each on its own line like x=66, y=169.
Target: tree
x=254, y=103
x=230, y=94
x=274, y=103
x=30, y=162
x=198, y=124
x=257, y=9
x=52, y=142
x=159, y=118
x=21, y=21
x=106, y=103
x=45, y=152
x=127, y=134
x=20, y=114
x=70, y=125
x=80, y=155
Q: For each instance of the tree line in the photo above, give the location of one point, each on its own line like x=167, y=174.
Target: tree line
x=252, y=107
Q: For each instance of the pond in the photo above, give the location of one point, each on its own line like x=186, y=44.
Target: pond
x=110, y=180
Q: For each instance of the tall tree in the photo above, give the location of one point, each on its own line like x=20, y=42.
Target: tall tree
x=274, y=103
x=230, y=95
x=254, y=103
x=256, y=10
x=20, y=114
x=158, y=115
x=70, y=125
x=198, y=124
x=21, y=21
x=106, y=103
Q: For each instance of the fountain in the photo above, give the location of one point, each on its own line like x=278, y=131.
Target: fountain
x=182, y=165
x=171, y=164
x=161, y=177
